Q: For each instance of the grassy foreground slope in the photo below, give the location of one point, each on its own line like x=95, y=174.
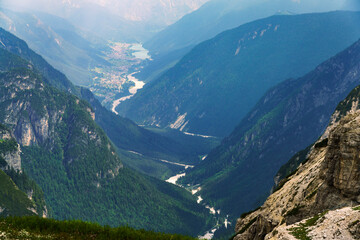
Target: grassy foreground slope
x=33, y=228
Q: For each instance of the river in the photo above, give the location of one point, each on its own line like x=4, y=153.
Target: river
x=209, y=234
x=132, y=90
x=140, y=53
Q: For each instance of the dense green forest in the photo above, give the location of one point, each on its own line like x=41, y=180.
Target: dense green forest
x=12, y=200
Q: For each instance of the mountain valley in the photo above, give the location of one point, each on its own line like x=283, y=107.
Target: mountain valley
x=189, y=119
x=68, y=154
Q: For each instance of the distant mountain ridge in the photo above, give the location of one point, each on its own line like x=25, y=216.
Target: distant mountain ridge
x=124, y=20
x=58, y=41
x=221, y=79
x=171, y=44
x=217, y=16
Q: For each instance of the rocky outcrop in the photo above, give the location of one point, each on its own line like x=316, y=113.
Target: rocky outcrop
x=340, y=224
x=13, y=159
x=25, y=110
x=10, y=150
x=329, y=179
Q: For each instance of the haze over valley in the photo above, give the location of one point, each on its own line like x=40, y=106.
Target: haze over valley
x=186, y=119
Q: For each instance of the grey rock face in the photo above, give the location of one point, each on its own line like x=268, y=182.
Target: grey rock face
x=13, y=160
x=12, y=157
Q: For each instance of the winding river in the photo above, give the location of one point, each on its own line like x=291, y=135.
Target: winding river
x=132, y=90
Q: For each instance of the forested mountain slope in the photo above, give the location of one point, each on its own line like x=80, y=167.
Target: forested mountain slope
x=287, y=119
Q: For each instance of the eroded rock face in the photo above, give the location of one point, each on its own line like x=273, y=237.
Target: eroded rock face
x=258, y=230
x=13, y=160
x=342, y=163
x=330, y=179
x=12, y=156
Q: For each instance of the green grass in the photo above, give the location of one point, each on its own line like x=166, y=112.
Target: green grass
x=301, y=231
x=357, y=208
x=41, y=228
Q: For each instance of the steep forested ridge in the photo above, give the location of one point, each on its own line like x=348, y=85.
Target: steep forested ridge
x=286, y=120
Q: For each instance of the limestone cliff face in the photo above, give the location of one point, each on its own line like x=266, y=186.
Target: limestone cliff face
x=10, y=149
x=329, y=179
x=39, y=115
x=30, y=124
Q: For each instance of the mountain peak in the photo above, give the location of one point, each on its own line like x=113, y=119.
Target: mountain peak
x=284, y=12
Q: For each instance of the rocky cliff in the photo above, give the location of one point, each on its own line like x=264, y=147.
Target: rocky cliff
x=10, y=150
x=329, y=179
x=19, y=195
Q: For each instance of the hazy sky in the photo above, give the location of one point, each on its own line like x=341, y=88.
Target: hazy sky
x=159, y=13
x=147, y=5
x=137, y=10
